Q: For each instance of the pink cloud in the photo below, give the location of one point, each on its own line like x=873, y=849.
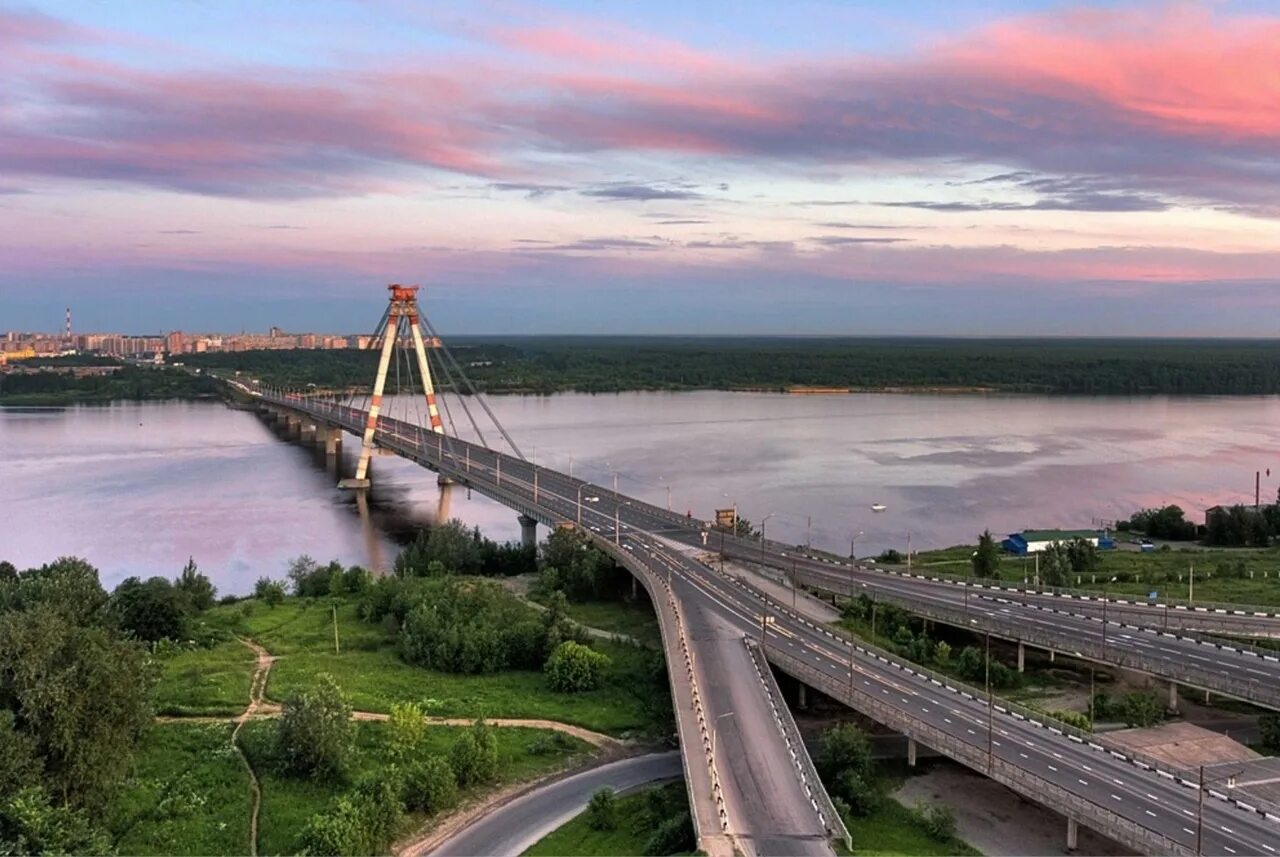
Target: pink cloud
x=1173, y=101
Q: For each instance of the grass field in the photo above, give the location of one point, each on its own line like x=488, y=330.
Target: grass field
x=205, y=681
x=1167, y=572
x=634, y=619
x=189, y=794
x=370, y=671
x=893, y=829
x=289, y=802
x=577, y=839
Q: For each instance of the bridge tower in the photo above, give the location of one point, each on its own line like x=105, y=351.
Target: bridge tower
x=402, y=321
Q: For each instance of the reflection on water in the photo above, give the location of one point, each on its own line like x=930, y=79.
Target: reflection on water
x=136, y=488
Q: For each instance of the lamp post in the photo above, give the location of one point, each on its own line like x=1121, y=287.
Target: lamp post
x=762, y=523
x=853, y=562
x=715, y=727
x=1230, y=780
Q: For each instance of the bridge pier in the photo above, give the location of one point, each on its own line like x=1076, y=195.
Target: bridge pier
x=292, y=426
x=1073, y=834
x=331, y=437
x=528, y=531
x=911, y=752
x=1022, y=657
x=307, y=432
x=801, y=695
x=1173, y=696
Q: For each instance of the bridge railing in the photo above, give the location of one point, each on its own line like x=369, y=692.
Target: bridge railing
x=828, y=815
x=1097, y=816
x=1096, y=741
x=1220, y=617
x=1116, y=652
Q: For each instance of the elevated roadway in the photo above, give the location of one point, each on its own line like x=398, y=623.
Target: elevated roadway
x=1150, y=809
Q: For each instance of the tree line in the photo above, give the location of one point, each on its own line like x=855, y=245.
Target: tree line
x=598, y=364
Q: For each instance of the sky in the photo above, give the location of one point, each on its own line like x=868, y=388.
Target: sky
x=916, y=167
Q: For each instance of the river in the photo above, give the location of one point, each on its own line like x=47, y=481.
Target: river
x=136, y=488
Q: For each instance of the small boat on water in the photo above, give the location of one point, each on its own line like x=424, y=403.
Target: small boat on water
x=878, y=507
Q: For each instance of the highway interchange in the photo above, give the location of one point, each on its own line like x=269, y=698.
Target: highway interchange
x=1119, y=794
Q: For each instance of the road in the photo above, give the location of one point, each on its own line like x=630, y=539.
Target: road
x=517, y=826
x=1106, y=790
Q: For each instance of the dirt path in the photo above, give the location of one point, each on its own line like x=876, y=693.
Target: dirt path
x=610, y=749
x=257, y=687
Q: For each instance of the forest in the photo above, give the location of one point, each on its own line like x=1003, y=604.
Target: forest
x=612, y=364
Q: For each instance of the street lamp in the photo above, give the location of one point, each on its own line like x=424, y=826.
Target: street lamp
x=1230, y=780
x=715, y=726
x=762, y=523
x=853, y=562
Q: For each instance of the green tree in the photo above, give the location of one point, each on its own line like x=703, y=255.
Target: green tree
x=31, y=823
x=313, y=734
x=574, y=668
x=986, y=559
x=152, y=610
x=1270, y=726
x=845, y=747
x=942, y=653
x=408, y=728
x=78, y=696
x=199, y=590
x=7, y=571
x=602, y=810
x=1055, y=565
x=68, y=585
x=268, y=590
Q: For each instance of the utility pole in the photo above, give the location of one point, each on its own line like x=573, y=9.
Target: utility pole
x=617, y=524
x=908, y=551
x=668, y=498
x=1191, y=585
x=793, y=584
x=808, y=532
x=990, y=710
x=535, y=483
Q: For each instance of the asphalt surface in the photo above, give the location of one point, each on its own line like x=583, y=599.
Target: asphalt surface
x=515, y=827
x=1112, y=785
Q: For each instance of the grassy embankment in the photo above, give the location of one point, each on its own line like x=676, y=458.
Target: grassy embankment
x=1221, y=574
x=369, y=670
x=190, y=790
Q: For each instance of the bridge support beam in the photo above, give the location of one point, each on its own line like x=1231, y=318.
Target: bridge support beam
x=911, y=752
x=1073, y=834
x=1022, y=657
x=1173, y=696
x=528, y=531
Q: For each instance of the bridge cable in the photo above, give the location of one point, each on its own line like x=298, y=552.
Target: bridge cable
x=474, y=390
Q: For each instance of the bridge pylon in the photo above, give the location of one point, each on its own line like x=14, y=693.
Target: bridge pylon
x=402, y=320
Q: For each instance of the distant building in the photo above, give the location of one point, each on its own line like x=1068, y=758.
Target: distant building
x=1034, y=541
x=176, y=343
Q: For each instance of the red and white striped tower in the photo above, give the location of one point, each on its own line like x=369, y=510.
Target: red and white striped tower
x=402, y=313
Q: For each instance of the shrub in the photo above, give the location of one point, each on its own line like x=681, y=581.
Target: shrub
x=574, y=668
x=474, y=756
x=430, y=785
x=890, y=556
x=153, y=610
x=314, y=730
x=268, y=590
x=939, y=821
x=30, y=823
x=858, y=792
x=602, y=810
x=672, y=836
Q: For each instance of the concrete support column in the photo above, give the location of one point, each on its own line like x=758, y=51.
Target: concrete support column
x=1206, y=697
x=1051, y=655
x=1022, y=657
x=1173, y=696
x=911, y=752
x=634, y=583
x=1073, y=835
x=293, y=426
x=332, y=441
x=528, y=531
x=801, y=695
x=307, y=433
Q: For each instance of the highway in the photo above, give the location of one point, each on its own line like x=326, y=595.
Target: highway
x=1150, y=810
x=517, y=826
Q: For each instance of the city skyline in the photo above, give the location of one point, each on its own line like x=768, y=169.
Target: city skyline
x=937, y=168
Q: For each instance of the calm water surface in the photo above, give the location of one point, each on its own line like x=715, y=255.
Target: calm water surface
x=137, y=488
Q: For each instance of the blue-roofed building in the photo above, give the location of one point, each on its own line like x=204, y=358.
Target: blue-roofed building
x=1034, y=541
